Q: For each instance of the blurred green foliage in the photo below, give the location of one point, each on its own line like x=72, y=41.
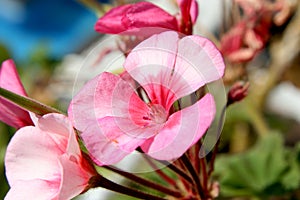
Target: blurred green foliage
x=267, y=169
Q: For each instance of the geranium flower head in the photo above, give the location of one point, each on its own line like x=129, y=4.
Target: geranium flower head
x=130, y=18
x=44, y=161
x=9, y=112
x=115, y=116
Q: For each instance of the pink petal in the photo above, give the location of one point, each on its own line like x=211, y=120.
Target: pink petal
x=32, y=154
x=101, y=149
x=10, y=113
x=47, y=155
x=199, y=61
x=132, y=16
x=194, y=11
x=233, y=40
x=61, y=130
x=9, y=78
x=111, y=140
x=169, y=68
x=74, y=178
x=151, y=64
x=33, y=189
x=82, y=111
x=183, y=129
x=39, y=146
x=106, y=95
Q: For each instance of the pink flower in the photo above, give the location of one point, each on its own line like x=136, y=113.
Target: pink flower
x=45, y=162
x=10, y=113
x=250, y=35
x=131, y=17
x=114, y=120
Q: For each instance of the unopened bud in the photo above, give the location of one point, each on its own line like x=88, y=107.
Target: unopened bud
x=237, y=92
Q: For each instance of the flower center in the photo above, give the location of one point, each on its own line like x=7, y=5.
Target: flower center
x=157, y=114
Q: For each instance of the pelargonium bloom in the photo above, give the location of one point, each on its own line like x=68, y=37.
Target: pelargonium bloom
x=44, y=161
x=242, y=42
x=130, y=17
x=115, y=120
x=9, y=112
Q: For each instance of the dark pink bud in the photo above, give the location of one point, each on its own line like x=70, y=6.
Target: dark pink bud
x=237, y=92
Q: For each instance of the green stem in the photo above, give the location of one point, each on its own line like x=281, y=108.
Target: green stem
x=178, y=171
x=165, y=177
x=100, y=181
x=27, y=103
x=194, y=174
x=257, y=119
x=145, y=182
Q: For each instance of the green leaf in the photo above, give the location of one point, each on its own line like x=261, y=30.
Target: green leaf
x=291, y=179
x=27, y=103
x=254, y=172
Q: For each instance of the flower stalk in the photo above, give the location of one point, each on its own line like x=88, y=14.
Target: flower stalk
x=100, y=181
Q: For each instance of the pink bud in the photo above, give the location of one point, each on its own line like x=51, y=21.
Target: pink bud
x=237, y=92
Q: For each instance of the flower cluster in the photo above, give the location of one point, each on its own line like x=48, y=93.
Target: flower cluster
x=250, y=34
x=143, y=109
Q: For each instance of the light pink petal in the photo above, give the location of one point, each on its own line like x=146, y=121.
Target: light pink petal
x=81, y=110
x=151, y=64
x=34, y=118
x=33, y=189
x=183, y=129
x=106, y=95
x=169, y=68
x=102, y=150
x=47, y=155
x=31, y=154
x=132, y=16
x=10, y=113
x=60, y=129
x=74, y=179
x=198, y=61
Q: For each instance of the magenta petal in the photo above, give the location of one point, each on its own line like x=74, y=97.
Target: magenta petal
x=132, y=16
x=183, y=129
x=10, y=113
x=189, y=10
x=9, y=78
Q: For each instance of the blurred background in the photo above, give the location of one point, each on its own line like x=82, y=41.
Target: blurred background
x=259, y=153
x=38, y=35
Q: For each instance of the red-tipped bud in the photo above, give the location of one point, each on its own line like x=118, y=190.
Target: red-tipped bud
x=237, y=92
